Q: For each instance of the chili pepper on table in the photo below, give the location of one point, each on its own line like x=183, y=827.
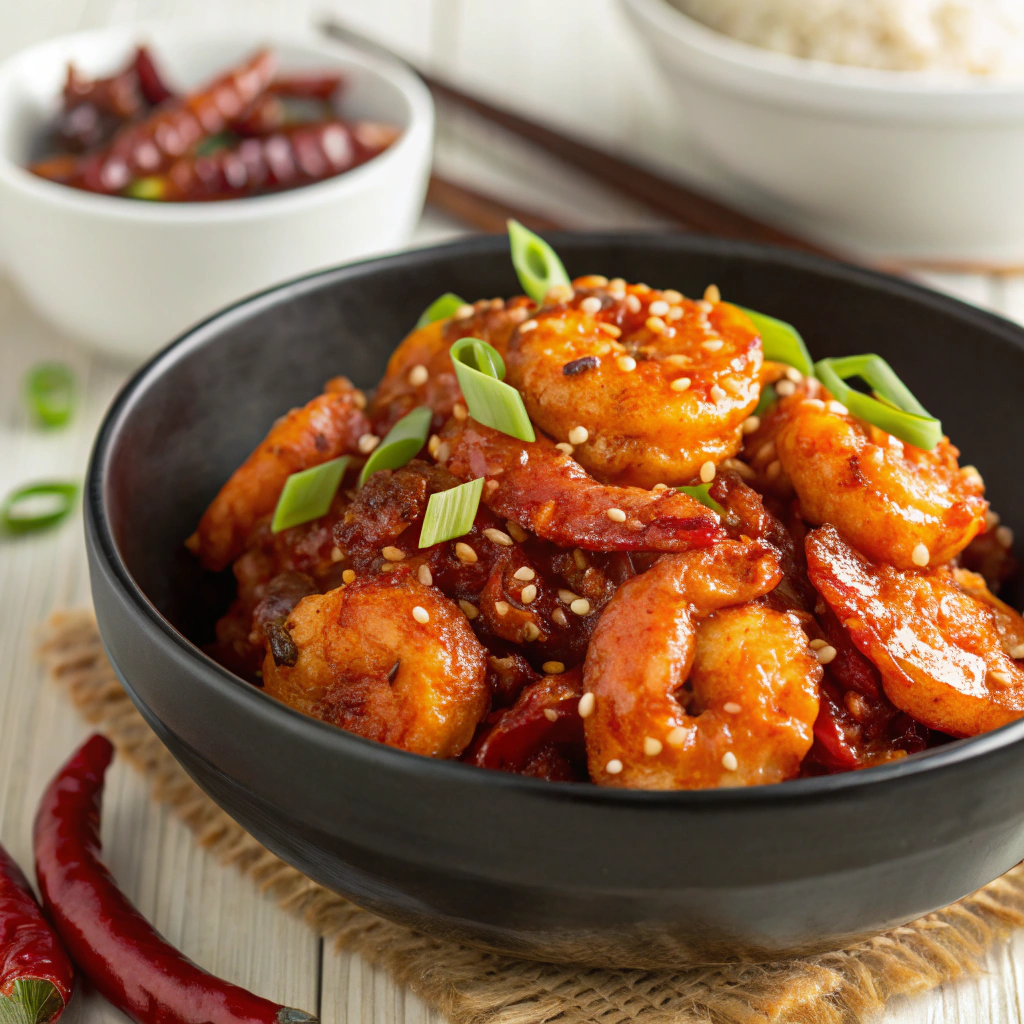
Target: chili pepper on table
x=124, y=957
x=36, y=976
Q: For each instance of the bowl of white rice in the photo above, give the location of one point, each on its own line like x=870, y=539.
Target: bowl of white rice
x=886, y=128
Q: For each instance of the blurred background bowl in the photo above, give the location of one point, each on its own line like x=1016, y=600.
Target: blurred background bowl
x=126, y=276
x=901, y=164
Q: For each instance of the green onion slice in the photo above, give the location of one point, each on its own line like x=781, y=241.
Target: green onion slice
x=892, y=408
x=402, y=443
x=450, y=514
x=440, y=309
x=769, y=396
x=537, y=265
x=781, y=342
x=702, y=492
x=151, y=188
x=490, y=401
x=308, y=494
x=37, y=506
x=31, y=1001
x=50, y=393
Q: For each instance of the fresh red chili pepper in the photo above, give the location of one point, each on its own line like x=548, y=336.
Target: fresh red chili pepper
x=35, y=972
x=124, y=957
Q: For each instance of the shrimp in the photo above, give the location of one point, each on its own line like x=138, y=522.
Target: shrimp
x=386, y=658
x=548, y=492
x=750, y=715
x=328, y=426
x=892, y=501
x=611, y=367
x=940, y=651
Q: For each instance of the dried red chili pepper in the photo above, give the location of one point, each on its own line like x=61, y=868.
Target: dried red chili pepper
x=94, y=108
x=310, y=87
x=35, y=972
x=124, y=957
x=151, y=82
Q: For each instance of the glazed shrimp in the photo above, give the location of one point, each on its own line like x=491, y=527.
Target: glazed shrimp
x=386, y=658
x=546, y=491
x=892, y=501
x=754, y=680
x=648, y=386
x=328, y=426
x=940, y=651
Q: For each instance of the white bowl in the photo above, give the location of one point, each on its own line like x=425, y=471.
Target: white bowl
x=126, y=276
x=900, y=164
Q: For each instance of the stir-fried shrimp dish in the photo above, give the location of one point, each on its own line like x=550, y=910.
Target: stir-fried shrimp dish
x=602, y=532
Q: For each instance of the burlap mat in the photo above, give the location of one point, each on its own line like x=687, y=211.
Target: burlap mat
x=468, y=985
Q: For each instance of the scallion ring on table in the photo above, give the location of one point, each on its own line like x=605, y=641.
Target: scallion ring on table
x=402, y=443
x=38, y=506
x=537, y=265
x=450, y=513
x=893, y=407
x=440, y=309
x=702, y=492
x=781, y=342
x=480, y=370
x=308, y=494
x=50, y=393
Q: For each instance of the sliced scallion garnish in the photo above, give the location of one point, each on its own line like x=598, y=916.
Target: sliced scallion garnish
x=893, y=409
x=702, y=492
x=31, y=1001
x=37, y=506
x=308, y=494
x=490, y=401
x=50, y=393
x=537, y=265
x=769, y=396
x=450, y=513
x=440, y=309
x=401, y=443
x=781, y=342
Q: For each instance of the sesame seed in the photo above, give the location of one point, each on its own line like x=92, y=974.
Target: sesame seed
x=490, y=487
x=658, y=308
x=712, y=344
x=459, y=411
x=553, y=668
x=433, y=444
x=359, y=399
x=586, y=705
x=443, y=451
x=559, y=293
x=920, y=555
x=659, y=488
x=498, y=537
x=564, y=446
x=616, y=515
x=717, y=393
x=578, y=435
x=729, y=762
x=469, y=610
x=421, y=615
x=567, y=596
x=677, y=736
x=766, y=452
x=528, y=325
x=367, y=443
x=610, y=329
x=393, y=554
x=793, y=374
x=632, y=304
x=704, y=306
x=501, y=664
x=991, y=519
x=675, y=313
x=616, y=283
x=559, y=616
x=816, y=644
x=785, y=388
x=739, y=467
x=712, y=294
x=579, y=559
x=652, y=747
x=518, y=533
x=1004, y=678
x=838, y=408
x=530, y=632
x=424, y=575
x=731, y=707
x=348, y=576
x=626, y=363
x=591, y=304
x=655, y=325
x=680, y=384
x=1017, y=652
x=1004, y=535
x=337, y=554
x=502, y=607
x=774, y=469
x=464, y=312
x=732, y=385
x=524, y=573
x=418, y=375
x=671, y=295
x=826, y=654
x=813, y=403
x=707, y=472
x=972, y=474
x=614, y=766
x=464, y=553
x=528, y=594
x=551, y=714
x=581, y=606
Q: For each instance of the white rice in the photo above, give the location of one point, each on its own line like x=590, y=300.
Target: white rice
x=975, y=37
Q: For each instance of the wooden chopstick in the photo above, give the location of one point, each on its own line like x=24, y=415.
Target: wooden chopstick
x=481, y=211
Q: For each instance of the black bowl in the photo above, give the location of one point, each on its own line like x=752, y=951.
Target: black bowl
x=544, y=870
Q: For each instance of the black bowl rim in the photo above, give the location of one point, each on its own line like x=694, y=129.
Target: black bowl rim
x=306, y=729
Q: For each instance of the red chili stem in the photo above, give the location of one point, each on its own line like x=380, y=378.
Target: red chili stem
x=124, y=957
x=29, y=948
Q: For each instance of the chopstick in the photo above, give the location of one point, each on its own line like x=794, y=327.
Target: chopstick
x=484, y=212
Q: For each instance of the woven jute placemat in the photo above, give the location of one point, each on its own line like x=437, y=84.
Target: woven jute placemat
x=470, y=985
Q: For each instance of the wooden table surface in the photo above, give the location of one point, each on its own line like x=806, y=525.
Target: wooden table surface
x=213, y=914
